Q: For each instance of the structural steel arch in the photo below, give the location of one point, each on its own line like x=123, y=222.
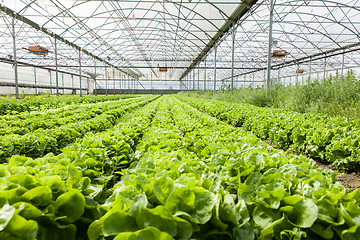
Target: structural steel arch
x=182, y=33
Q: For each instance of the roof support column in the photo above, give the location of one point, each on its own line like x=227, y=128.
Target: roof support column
x=187, y=82
x=205, y=75
x=343, y=62
x=63, y=84
x=15, y=59
x=106, y=81
x=114, y=80
x=190, y=81
x=56, y=67
x=133, y=84
x=270, y=44
x=80, y=72
x=310, y=69
x=151, y=82
x=95, y=78
x=121, y=76
x=198, y=87
x=325, y=67
x=193, y=71
x=233, y=34
x=215, y=68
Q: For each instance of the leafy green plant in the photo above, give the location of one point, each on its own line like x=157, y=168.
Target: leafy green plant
x=335, y=96
x=168, y=171
x=332, y=140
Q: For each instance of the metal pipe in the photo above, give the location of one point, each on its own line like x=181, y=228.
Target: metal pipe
x=310, y=69
x=120, y=76
x=189, y=81
x=106, y=81
x=215, y=68
x=31, y=85
x=95, y=78
x=325, y=68
x=342, y=65
x=15, y=60
x=114, y=80
x=63, y=84
x=232, y=59
x=205, y=74
x=198, y=79
x=56, y=68
x=271, y=19
x=151, y=82
x=80, y=72
x=133, y=84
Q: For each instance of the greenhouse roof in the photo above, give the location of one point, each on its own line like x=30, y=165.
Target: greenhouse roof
x=139, y=37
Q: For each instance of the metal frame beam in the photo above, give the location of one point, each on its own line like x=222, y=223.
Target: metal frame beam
x=36, y=26
x=239, y=12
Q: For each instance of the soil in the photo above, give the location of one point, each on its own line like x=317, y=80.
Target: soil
x=349, y=180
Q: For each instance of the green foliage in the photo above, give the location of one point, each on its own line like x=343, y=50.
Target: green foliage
x=28, y=103
x=42, y=141
x=168, y=171
x=335, y=96
x=55, y=197
x=332, y=140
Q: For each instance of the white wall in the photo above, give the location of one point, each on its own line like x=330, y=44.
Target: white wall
x=43, y=77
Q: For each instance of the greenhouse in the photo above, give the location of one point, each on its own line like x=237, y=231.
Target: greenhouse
x=179, y=119
x=139, y=46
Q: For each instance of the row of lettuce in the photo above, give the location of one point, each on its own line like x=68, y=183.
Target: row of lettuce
x=27, y=122
x=58, y=133
x=167, y=171
x=58, y=196
x=198, y=178
x=334, y=141
x=11, y=106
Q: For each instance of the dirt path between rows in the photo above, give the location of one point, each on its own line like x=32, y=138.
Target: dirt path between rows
x=349, y=180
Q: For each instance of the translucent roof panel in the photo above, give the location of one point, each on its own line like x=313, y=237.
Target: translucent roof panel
x=302, y=28
x=141, y=35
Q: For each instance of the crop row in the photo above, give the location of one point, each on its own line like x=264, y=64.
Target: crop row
x=57, y=197
x=13, y=106
x=28, y=122
x=184, y=175
x=43, y=141
x=198, y=178
x=332, y=140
